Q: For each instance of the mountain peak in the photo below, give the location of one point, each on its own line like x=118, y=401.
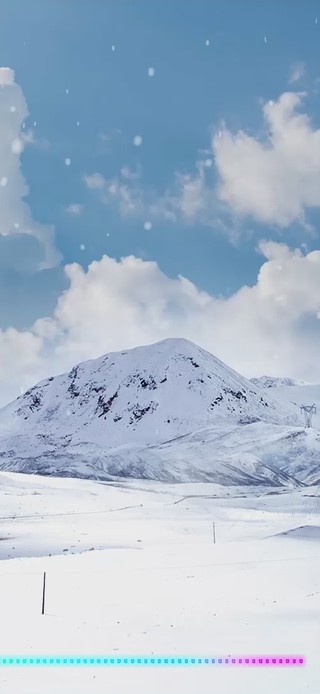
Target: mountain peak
x=138, y=397
x=169, y=410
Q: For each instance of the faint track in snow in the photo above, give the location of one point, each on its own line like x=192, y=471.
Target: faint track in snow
x=207, y=496
x=71, y=513
x=231, y=563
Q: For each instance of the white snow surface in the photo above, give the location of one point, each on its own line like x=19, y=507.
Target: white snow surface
x=169, y=411
x=132, y=570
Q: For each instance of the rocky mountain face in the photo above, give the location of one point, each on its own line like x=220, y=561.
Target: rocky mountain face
x=114, y=416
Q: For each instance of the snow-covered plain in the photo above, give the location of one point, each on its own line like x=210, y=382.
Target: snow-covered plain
x=131, y=565
x=134, y=570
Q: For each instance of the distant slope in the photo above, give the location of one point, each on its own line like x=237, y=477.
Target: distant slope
x=301, y=395
x=275, y=382
x=309, y=532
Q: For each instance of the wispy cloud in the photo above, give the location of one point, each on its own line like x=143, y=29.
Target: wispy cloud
x=273, y=181
x=297, y=72
x=75, y=209
x=186, y=199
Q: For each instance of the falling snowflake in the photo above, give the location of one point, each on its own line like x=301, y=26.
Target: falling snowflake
x=16, y=225
x=207, y=42
x=151, y=71
x=68, y=413
x=147, y=226
x=12, y=109
x=34, y=123
x=3, y=181
x=316, y=20
x=279, y=267
x=220, y=133
x=82, y=247
x=108, y=234
x=208, y=163
x=271, y=102
x=67, y=161
x=137, y=140
x=78, y=122
x=113, y=48
x=67, y=91
x=23, y=126
x=265, y=39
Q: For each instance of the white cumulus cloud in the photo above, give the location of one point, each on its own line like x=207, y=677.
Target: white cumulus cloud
x=120, y=304
x=15, y=212
x=277, y=180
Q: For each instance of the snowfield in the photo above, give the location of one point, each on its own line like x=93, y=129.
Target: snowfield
x=134, y=570
x=137, y=454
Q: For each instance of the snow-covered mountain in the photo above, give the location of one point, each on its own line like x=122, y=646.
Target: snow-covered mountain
x=276, y=382
x=143, y=395
x=165, y=411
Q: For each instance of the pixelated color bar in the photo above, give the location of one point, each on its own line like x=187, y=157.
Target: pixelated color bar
x=111, y=661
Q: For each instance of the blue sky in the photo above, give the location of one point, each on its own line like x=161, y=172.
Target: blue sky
x=83, y=67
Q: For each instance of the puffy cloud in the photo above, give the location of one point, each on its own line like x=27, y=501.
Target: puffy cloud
x=20, y=362
x=15, y=214
x=7, y=76
x=272, y=327
x=277, y=180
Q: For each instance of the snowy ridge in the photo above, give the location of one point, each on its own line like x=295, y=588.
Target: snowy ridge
x=276, y=382
x=298, y=395
x=168, y=411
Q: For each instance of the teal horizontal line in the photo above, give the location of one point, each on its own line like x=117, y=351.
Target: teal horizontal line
x=112, y=661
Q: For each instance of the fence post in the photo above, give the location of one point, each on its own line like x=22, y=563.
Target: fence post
x=214, y=533
x=43, y=592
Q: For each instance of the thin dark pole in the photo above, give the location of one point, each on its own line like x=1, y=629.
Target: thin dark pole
x=214, y=533
x=43, y=592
